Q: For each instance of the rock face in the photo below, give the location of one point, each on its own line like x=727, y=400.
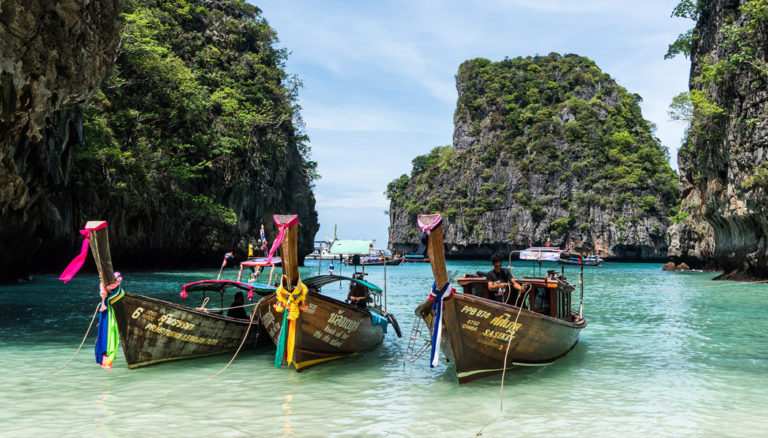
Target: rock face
x=60, y=157
x=724, y=163
x=544, y=148
x=53, y=56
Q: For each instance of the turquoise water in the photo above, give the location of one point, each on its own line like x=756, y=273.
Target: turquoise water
x=664, y=354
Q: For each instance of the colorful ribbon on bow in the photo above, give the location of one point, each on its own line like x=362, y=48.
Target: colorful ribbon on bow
x=78, y=261
x=280, y=236
x=108, y=338
x=437, y=297
x=293, y=302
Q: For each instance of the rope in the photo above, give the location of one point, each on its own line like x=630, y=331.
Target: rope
x=506, y=354
x=238, y=348
x=202, y=306
x=95, y=312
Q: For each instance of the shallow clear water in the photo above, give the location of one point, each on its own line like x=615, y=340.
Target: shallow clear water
x=665, y=353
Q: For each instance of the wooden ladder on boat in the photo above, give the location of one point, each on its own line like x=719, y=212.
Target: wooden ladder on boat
x=418, y=343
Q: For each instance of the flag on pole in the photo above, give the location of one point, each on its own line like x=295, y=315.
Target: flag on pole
x=330, y=268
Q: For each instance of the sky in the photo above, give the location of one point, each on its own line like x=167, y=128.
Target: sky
x=379, y=78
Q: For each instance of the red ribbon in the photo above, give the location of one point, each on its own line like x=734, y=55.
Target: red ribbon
x=280, y=235
x=78, y=261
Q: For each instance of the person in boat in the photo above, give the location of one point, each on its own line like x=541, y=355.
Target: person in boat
x=237, y=311
x=358, y=293
x=500, y=281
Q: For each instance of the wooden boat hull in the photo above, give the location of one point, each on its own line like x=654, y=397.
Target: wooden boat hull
x=328, y=329
x=154, y=331
x=476, y=334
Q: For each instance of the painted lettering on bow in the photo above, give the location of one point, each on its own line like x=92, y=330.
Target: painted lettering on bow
x=342, y=321
x=180, y=336
x=506, y=322
x=474, y=311
x=493, y=334
x=173, y=322
x=471, y=324
x=311, y=307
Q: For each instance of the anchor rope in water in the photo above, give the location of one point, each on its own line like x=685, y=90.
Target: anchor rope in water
x=242, y=342
x=512, y=333
x=95, y=312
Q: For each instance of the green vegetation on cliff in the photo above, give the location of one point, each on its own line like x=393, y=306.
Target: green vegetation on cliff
x=553, y=120
x=198, y=103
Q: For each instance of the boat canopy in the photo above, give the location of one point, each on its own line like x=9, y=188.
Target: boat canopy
x=221, y=286
x=321, y=280
x=351, y=247
x=541, y=254
x=261, y=261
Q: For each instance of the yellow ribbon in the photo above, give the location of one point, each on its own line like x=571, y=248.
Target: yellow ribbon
x=294, y=301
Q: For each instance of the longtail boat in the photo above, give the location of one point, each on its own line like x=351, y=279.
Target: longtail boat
x=152, y=330
x=482, y=336
x=311, y=328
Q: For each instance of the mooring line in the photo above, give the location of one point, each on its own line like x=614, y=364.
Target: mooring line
x=250, y=324
x=81, y=343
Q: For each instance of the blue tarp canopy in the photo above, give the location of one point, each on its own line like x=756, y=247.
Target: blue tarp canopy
x=351, y=247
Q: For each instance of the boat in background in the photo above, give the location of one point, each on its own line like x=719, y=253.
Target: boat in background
x=482, y=336
x=415, y=258
x=152, y=330
x=592, y=260
x=541, y=254
x=309, y=327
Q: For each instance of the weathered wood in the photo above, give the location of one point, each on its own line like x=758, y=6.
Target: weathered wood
x=153, y=331
x=436, y=250
x=328, y=329
x=477, y=330
x=289, y=249
x=101, y=253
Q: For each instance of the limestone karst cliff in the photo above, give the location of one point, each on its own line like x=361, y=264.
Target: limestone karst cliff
x=545, y=147
x=174, y=121
x=724, y=161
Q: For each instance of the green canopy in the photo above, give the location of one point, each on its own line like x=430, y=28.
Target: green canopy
x=351, y=247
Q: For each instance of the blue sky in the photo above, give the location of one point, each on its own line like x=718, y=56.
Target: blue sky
x=379, y=78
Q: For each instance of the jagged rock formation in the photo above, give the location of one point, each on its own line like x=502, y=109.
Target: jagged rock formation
x=53, y=56
x=544, y=148
x=186, y=149
x=724, y=162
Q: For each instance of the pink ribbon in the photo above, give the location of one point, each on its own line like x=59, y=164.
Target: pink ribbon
x=423, y=219
x=78, y=261
x=280, y=235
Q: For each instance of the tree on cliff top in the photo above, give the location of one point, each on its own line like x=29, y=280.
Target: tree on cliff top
x=552, y=118
x=198, y=103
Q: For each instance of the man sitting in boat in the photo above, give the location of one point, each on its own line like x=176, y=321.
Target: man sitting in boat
x=499, y=280
x=358, y=293
x=237, y=311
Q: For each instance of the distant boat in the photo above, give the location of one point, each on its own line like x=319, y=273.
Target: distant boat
x=541, y=253
x=415, y=258
x=592, y=260
x=152, y=330
x=482, y=336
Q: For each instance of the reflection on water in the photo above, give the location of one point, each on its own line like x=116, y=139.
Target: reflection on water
x=664, y=353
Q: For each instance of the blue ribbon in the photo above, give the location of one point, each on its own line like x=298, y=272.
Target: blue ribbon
x=437, y=326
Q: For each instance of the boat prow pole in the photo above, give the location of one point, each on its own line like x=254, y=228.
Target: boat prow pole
x=100, y=251
x=288, y=248
x=435, y=247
